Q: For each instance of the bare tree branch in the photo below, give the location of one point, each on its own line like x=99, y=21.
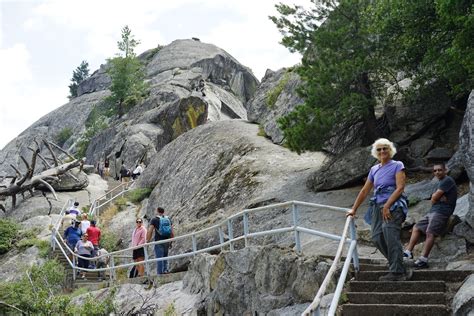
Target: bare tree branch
x=50, y=188
x=56, y=161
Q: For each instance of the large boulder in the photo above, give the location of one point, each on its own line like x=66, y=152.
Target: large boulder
x=276, y=96
x=255, y=280
x=217, y=66
x=343, y=170
x=463, y=301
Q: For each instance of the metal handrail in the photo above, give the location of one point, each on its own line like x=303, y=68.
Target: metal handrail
x=313, y=308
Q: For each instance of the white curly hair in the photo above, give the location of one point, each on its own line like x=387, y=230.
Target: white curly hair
x=385, y=142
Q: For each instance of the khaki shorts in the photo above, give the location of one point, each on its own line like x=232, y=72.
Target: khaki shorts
x=433, y=223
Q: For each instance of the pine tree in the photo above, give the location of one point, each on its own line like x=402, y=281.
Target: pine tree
x=353, y=49
x=79, y=75
x=128, y=85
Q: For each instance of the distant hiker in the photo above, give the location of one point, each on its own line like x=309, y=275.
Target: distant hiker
x=84, y=223
x=72, y=234
x=434, y=223
x=162, y=226
x=106, y=167
x=388, y=207
x=67, y=220
x=139, y=238
x=84, y=249
x=75, y=209
x=100, y=168
x=124, y=174
x=137, y=171
x=94, y=236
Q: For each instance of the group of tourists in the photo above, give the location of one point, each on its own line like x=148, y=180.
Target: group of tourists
x=126, y=173
x=389, y=206
x=83, y=237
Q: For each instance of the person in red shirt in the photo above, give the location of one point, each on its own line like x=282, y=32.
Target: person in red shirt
x=94, y=236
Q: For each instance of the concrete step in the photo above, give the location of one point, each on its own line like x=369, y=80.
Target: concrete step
x=373, y=267
x=420, y=275
x=398, y=310
x=406, y=298
x=408, y=286
x=361, y=260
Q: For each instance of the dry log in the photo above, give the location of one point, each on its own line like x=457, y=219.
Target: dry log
x=28, y=182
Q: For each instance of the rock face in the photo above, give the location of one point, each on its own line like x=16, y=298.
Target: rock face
x=254, y=280
x=191, y=83
x=408, y=119
x=466, y=150
x=210, y=172
x=276, y=96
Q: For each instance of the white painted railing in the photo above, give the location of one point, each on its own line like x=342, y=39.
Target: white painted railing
x=229, y=239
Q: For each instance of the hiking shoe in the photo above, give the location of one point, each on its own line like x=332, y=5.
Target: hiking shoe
x=419, y=264
x=407, y=254
x=393, y=277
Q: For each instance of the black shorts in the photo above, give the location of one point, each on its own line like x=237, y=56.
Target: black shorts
x=138, y=253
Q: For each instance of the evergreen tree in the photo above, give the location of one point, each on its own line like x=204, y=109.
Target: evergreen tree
x=79, y=75
x=353, y=48
x=128, y=85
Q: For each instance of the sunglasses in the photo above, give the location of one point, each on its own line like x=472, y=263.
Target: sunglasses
x=139, y=222
x=382, y=149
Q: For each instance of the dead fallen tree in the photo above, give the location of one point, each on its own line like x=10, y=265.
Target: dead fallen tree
x=30, y=180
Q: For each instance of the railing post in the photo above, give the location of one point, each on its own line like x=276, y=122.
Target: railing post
x=295, y=225
x=221, y=238
x=147, y=265
x=73, y=267
x=355, y=254
x=246, y=228
x=112, y=271
x=231, y=234
x=194, y=244
x=53, y=236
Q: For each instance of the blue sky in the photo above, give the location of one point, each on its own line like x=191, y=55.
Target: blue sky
x=43, y=41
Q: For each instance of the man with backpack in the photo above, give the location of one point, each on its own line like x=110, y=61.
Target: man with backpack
x=163, y=228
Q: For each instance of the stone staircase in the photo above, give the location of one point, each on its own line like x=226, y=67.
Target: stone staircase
x=93, y=281
x=429, y=292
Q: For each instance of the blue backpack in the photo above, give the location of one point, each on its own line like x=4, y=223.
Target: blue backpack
x=165, y=227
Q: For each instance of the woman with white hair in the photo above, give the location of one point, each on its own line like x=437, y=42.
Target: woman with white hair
x=388, y=207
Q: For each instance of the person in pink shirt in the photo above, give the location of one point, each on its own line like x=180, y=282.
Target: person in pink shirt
x=139, y=238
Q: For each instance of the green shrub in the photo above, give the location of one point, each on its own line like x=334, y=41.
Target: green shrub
x=40, y=292
x=63, y=136
x=8, y=231
x=121, y=203
x=109, y=241
x=138, y=195
x=261, y=131
x=272, y=95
